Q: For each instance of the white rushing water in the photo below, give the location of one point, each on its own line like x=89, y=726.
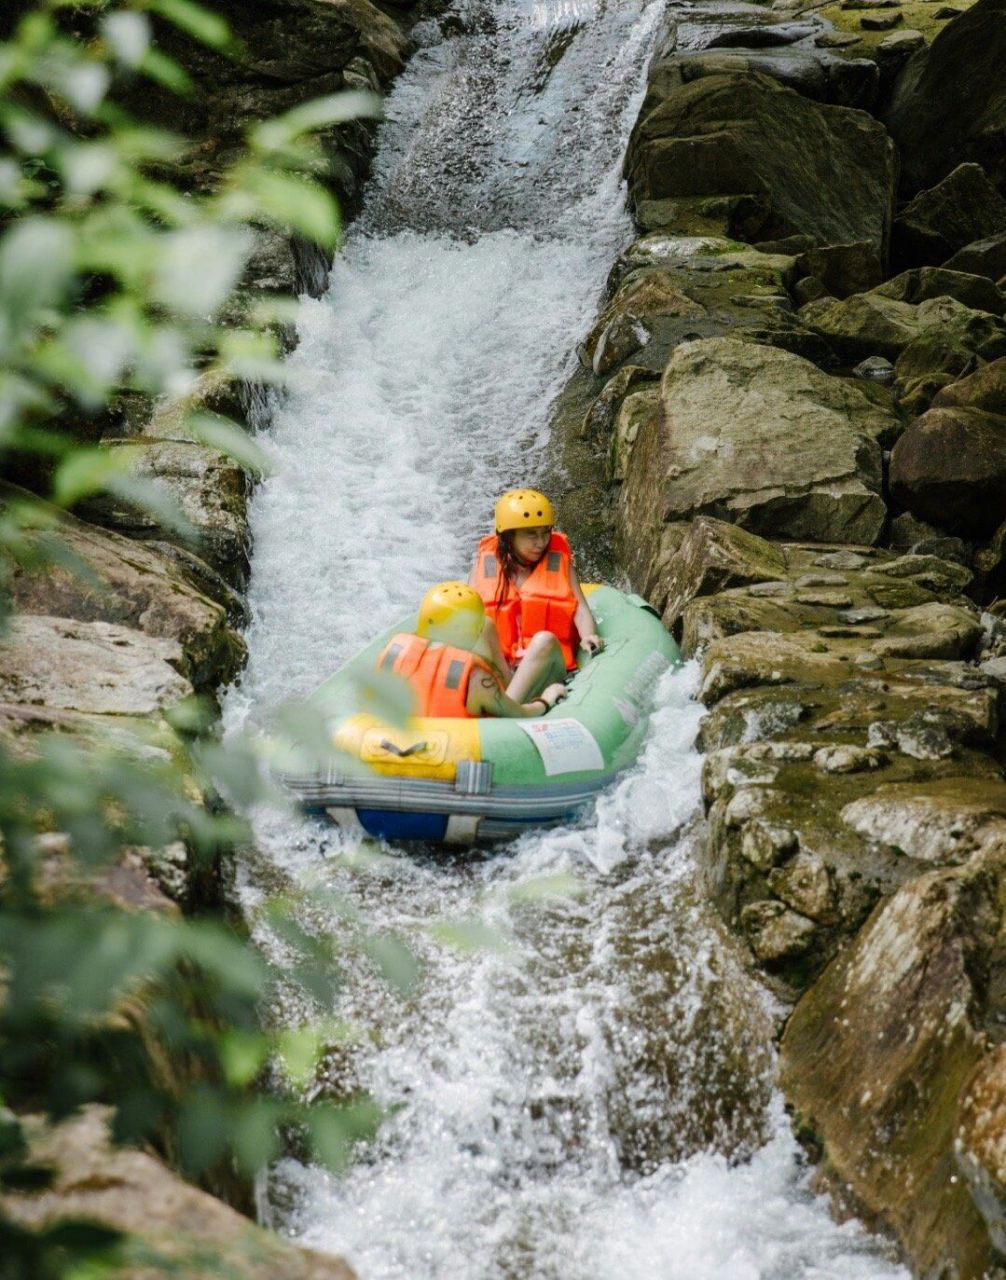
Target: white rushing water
x=588, y=1095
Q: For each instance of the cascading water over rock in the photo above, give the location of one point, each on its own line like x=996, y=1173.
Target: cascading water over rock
x=594, y=1099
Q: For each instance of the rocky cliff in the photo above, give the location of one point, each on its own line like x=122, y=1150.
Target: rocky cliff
x=797, y=385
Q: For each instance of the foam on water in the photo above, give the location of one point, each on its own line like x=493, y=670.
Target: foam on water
x=593, y=1097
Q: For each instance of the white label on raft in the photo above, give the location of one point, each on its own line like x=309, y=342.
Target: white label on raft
x=565, y=746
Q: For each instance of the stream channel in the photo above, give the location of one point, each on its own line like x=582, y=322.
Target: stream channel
x=589, y=1096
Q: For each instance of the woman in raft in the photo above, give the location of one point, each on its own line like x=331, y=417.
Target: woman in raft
x=440, y=662
x=538, y=613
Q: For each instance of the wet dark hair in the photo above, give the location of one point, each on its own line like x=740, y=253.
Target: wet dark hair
x=508, y=562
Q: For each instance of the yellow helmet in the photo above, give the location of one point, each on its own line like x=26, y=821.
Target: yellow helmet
x=523, y=509
x=452, y=613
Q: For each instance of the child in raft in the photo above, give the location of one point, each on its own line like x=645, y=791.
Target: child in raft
x=440, y=663
x=536, y=610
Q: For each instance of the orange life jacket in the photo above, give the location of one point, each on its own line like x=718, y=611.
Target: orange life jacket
x=545, y=602
x=438, y=673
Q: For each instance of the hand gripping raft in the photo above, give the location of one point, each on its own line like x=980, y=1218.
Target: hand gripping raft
x=460, y=780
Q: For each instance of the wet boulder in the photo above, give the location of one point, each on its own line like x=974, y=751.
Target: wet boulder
x=671, y=289
x=827, y=171
x=985, y=390
x=637, y=410
x=170, y=1225
x=120, y=581
x=980, y=1142
x=949, y=467
x=863, y=325
x=732, y=217
x=964, y=207
x=843, y=268
x=938, y=822
x=208, y=488
x=981, y=258
x=949, y=103
x=94, y=667
x=760, y=438
x=599, y=419
x=878, y=1053
x=831, y=715
x=874, y=323
x=945, y=352
x=713, y=557
x=923, y=283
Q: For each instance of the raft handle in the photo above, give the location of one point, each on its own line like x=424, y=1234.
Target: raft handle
x=402, y=751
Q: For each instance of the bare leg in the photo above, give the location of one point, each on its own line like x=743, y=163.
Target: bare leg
x=541, y=665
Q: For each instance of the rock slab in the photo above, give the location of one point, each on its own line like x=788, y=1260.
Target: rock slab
x=760, y=438
x=826, y=171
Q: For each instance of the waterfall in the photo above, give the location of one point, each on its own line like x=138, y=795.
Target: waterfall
x=590, y=1095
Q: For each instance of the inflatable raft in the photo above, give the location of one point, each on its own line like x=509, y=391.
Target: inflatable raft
x=465, y=780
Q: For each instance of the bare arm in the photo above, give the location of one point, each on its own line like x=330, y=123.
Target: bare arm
x=487, y=698
x=583, y=619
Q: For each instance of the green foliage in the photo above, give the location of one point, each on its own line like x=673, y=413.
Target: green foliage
x=114, y=276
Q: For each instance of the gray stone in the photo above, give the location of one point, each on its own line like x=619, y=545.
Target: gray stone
x=713, y=557
x=827, y=171
x=878, y=1051
x=948, y=107
x=981, y=258
x=843, y=268
x=806, y=885
x=763, y=437
x=847, y=759
x=766, y=843
x=600, y=417
x=949, y=468
x=209, y=489
x=89, y=666
x=171, y=1227
x=875, y=369
x=122, y=582
x=900, y=45
x=836, y=39
x=923, y=283
x=775, y=932
x=964, y=207
x=941, y=821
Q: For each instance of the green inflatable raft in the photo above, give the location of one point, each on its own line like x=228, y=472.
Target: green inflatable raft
x=466, y=780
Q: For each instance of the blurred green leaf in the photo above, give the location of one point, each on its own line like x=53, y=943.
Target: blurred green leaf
x=202, y=23
x=286, y=200
x=243, y=1055
x=470, y=935
x=36, y=270
x=197, y=267
x=387, y=696
x=153, y=497
x=88, y=471
x=224, y=434
x=395, y=960
x=335, y=1130
x=319, y=113
x=543, y=888
x=128, y=34
x=165, y=71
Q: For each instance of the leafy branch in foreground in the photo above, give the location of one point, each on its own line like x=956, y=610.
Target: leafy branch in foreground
x=114, y=279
